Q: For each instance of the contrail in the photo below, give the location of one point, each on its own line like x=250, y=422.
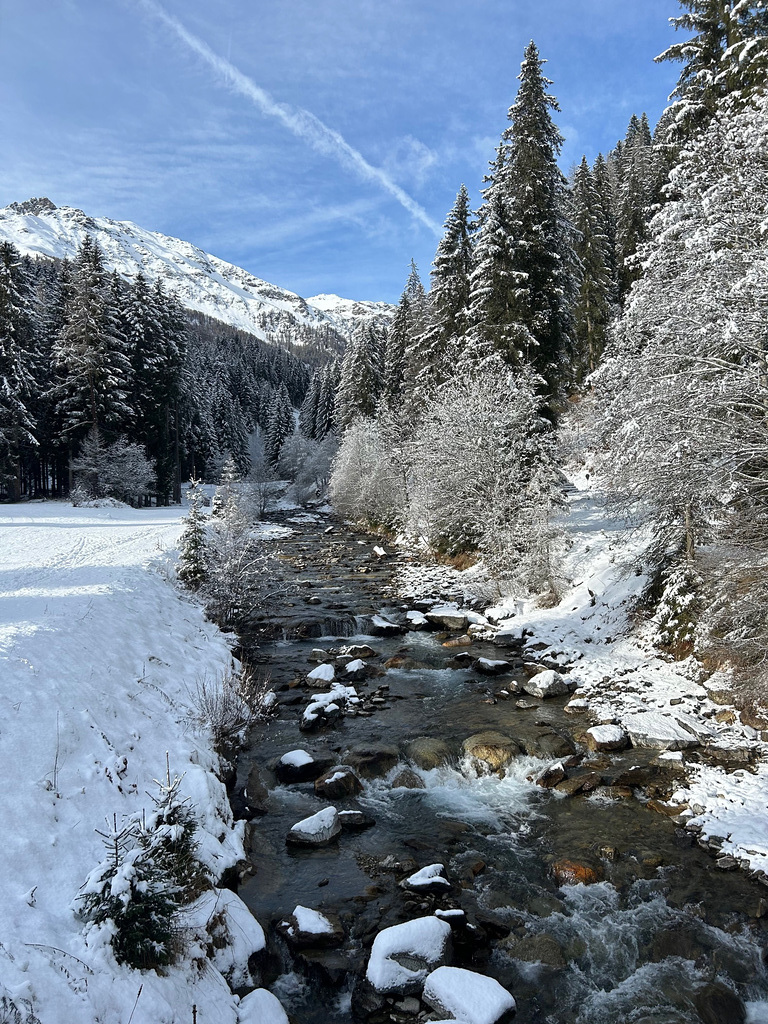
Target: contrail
x=300, y=122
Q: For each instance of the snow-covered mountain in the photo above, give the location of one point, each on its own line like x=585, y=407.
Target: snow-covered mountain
x=203, y=283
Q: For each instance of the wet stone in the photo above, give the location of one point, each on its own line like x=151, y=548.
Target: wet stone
x=407, y=779
x=428, y=752
x=337, y=783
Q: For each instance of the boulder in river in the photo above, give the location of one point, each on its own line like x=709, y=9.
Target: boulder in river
x=550, y=777
x=300, y=766
x=256, y=794
x=407, y=779
x=373, y=760
x=428, y=752
x=607, y=737
x=446, y=617
x=359, y=651
x=402, y=956
x=571, y=872
x=718, y=1004
x=417, y=620
x=317, y=830
x=491, y=666
x=306, y=928
x=548, y=683
x=465, y=640
x=493, y=748
x=540, y=948
x=428, y=879
x=383, y=627
x=337, y=783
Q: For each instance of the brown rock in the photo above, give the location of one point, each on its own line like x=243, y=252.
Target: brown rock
x=407, y=779
x=551, y=776
x=337, y=783
x=428, y=752
x=754, y=717
x=459, y=641
x=494, y=748
x=571, y=872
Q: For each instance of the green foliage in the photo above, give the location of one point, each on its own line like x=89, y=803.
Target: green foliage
x=192, y=566
x=679, y=608
x=150, y=872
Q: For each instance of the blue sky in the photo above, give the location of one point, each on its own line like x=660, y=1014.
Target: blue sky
x=108, y=106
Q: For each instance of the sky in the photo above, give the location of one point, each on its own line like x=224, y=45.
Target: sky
x=319, y=144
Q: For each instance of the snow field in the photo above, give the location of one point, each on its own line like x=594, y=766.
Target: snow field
x=99, y=660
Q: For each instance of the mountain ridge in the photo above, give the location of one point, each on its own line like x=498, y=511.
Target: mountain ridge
x=204, y=283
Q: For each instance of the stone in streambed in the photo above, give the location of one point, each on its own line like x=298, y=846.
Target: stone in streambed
x=572, y=872
x=355, y=821
x=459, y=641
x=445, y=617
x=607, y=737
x=256, y=794
x=548, y=684
x=491, y=667
x=317, y=830
x=337, y=783
x=492, y=748
x=310, y=929
x=718, y=1004
x=374, y=760
x=550, y=777
x=407, y=779
x=383, y=627
x=535, y=949
x=428, y=752
x=360, y=651
x=300, y=766
x=461, y=995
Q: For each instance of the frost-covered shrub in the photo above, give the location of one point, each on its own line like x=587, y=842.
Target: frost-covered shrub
x=481, y=475
x=365, y=485
x=149, y=874
x=231, y=704
x=118, y=470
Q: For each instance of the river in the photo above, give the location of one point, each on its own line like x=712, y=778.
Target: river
x=658, y=937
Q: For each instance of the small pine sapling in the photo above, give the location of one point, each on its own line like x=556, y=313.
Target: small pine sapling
x=193, y=562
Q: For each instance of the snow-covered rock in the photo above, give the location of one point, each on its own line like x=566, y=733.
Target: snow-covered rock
x=316, y=830
x=298, y=766
x=659, y=731
x=607, y=737
x=448, y=617
x=322, y=674
x=324, y=706
x=466, y=996
x=491, y=666
x=355, y=670
x=307, y=928
x=548, y=684
x=261, y=1007
x=428, y=879
x=237, y=935
x=493, y=748
x=337, y=783
x=402, y=956
x=383, y=627
x=417, y=620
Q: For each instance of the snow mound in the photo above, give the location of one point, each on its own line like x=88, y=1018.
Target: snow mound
x=466, y=996
x=402, y=956
x=323, y=673
x=261, y=1007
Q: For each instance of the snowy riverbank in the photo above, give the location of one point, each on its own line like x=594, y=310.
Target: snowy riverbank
x=622, y=677
x=100, y=657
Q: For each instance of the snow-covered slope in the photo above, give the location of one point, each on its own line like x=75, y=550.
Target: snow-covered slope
x=203, y=283
x=100, y=657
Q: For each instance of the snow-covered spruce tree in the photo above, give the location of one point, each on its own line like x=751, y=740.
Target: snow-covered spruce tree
x=533, y=193
x=446, y=317
x=150, y=873
x=362, y=375
x=727, y=54
x=683, y=397
x=308, y=410
x=478, y=474
x=17, y=425
x=92, y=352
x=192, y=565
x=228, y=486
x=280, y=426
x=594, y=309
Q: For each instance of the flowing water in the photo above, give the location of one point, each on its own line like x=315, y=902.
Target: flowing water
x=635, y=947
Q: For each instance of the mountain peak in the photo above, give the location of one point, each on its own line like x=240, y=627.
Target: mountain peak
x=34, y=206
